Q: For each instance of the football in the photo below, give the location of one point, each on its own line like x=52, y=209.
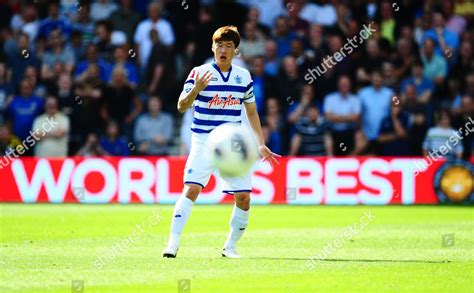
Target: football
x=232, y=149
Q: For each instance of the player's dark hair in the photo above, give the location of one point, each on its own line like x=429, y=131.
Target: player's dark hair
x=227, y=33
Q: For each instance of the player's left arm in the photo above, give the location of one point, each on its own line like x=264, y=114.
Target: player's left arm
x=254, y=121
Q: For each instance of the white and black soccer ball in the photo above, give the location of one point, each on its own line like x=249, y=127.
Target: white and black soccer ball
x=232, y=149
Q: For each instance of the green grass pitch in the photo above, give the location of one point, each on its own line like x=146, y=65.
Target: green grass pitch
x=55, y=248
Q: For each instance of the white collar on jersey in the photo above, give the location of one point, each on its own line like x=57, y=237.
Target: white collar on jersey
x=226, y=79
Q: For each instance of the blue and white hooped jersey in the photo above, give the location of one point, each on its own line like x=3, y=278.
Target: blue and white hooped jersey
x=222, y=100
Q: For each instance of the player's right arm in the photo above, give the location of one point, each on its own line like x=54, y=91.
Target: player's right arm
x=189, y=94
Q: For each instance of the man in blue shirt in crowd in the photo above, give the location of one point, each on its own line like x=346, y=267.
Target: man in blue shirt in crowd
x=342, y=110
x=23, y=109
x=375, y=100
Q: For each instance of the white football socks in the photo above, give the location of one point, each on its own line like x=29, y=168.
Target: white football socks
x=238, y=224
x=182, y=210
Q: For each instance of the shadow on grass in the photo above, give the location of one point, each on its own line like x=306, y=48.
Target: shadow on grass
x=350, y=260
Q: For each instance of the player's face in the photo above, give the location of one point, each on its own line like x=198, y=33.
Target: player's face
x=223, y=52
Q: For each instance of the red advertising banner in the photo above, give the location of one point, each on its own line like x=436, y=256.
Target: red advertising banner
x=297, y=180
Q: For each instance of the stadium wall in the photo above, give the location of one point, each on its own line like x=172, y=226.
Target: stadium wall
x=297, y=180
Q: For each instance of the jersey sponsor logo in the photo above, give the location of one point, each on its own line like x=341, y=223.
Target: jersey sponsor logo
x=238, y=79
x=214, y=79
x=216, y=101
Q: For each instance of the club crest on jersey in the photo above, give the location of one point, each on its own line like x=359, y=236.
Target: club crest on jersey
x=216, y=101
x=238, y=79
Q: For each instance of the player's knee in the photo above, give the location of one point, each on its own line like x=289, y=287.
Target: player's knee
x=242, y=199
x=192, y=191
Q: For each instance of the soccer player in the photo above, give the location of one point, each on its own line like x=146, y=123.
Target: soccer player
x=218, y=91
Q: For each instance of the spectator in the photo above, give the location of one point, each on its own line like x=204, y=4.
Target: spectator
x=273, y=111
x=263, y=84
x=31, y=74
x=64, y=92
x=434, y=66
x=54, y=21
x=444, y=39
x=283, y=37
x=102, y=9
x=31, y=22
x=70, y=105
x=342, y=109
x=405, y=58
x=454, y=23
x=57, y=53
x=125, y=19
x=312, y=137
x=389, y=77
x=392, y=140
x=317, y=44
x=375, y=101
x=84, y=25
x=343, y=20
x=103, y=31
x=298, y=108
x=156, y=64
x=330, y=74
x=121, y=60
x=76, y=45
x=89, y=95
x=424, y=86
x=462, y=117
x=142, y=34
x=297, y=51
x=465, y=63
x=92, y=57
x=372, y=61
x=153, y=130
x=438, y=140
x=418, y=118
x=16, y=58
x=272, y=62
x=268, y=10
x=290, y=81
x=53, y=129
x=21, y=18
x=276, y=126
x=5, y=89
x=272, y=137
x=388, y=24
x=112, y=142
x=92, y=147
x=118, y=100
x=323, y=13
x=254, y=16
x=252, y=44
x=8, y=141
x=23, y=109
x=295, y=22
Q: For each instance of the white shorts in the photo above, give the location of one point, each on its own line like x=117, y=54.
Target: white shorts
x=198, y=168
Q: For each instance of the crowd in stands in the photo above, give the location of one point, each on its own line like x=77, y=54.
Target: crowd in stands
x=331, y=77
